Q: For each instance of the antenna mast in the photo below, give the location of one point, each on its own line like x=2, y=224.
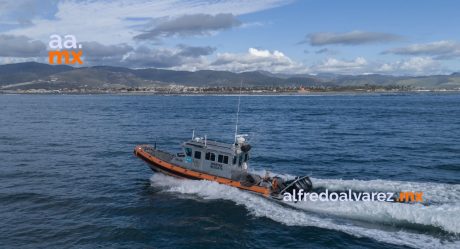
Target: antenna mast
x=238, y=111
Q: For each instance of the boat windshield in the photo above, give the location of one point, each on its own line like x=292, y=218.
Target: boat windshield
x=188, y=151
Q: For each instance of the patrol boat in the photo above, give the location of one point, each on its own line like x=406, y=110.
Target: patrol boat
x=203, y=159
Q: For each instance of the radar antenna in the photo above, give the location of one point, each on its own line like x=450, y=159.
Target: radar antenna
x=238, y=112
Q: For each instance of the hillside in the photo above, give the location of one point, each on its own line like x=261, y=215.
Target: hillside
x=32, y=75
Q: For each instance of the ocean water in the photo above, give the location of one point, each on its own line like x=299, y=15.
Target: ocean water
x=68, y=178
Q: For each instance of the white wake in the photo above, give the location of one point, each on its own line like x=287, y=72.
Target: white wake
x=341, y=216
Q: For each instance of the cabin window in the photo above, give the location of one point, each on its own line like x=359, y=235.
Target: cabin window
x=198, y=154
x=246, y=157
x=222, y=159
x=234, y=160
x=240, y=161
x=210, y=156
x=188, y=151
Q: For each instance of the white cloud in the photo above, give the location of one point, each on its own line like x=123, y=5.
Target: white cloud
x=412, y=66
x=277, y=62
x=349, y=38
x=187, y=25
x=20, y=46
x=108, y=28
x=257, y=59
x=180, y=57
x=11, y=60
x=332, y=65
x=439, y=49
x=114, y=22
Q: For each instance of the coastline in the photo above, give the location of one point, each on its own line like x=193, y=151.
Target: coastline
x=227, y=93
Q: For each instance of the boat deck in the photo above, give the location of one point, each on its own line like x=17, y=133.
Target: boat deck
x=162, y=155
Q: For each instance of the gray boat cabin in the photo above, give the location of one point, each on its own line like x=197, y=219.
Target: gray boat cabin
x=215, y=158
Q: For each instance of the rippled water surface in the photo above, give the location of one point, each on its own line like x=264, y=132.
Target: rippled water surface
x=68, y=178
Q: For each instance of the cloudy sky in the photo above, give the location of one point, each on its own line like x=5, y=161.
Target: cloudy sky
x=411, y=37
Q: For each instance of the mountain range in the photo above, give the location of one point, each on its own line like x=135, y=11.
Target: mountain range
x=32, y=75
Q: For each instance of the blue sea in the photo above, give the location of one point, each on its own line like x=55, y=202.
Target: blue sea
x=69, y=179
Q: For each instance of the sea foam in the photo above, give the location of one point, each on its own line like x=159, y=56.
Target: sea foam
x=342, y=216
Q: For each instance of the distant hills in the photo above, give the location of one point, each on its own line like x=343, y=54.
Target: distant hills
x=32, y=75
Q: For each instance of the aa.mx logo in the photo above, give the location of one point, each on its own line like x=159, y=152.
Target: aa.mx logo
x=64, y=48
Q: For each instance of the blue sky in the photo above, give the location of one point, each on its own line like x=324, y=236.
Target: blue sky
x=292, y=37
